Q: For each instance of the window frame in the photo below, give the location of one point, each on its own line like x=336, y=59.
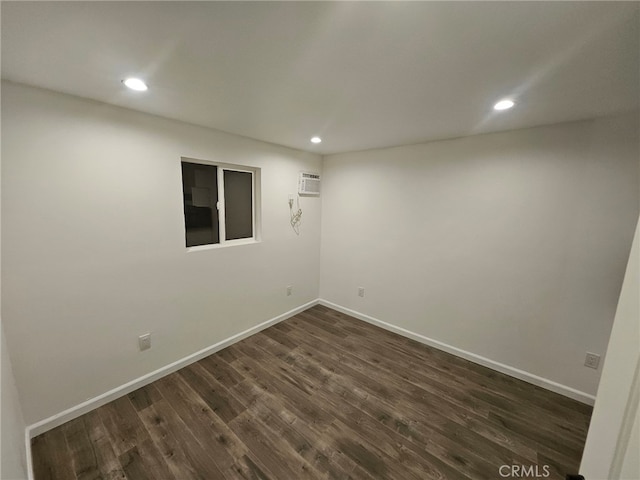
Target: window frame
x=220, y=204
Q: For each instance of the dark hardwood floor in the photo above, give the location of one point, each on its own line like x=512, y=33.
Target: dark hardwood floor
x=322, y=395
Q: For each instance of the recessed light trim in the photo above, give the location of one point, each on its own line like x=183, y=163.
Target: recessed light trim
x=504, y=104
x=316, y=140
x=135, y=84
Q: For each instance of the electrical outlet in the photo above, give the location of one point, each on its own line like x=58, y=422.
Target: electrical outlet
x=592, y=360
x=361, y=291
x=144, y=341
x=289, y=290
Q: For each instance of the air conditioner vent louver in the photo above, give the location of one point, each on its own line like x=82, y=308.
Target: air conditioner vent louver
x=309, y=183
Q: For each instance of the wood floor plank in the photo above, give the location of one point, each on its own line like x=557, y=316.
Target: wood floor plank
x=252, y=472
x=212, y=392
x=228, y=451
x=495, y=381
x=271, y=448
x=123, y=424
x=434, y=448
x=377, y=381
x=308, y=422
x=221, y=370
x=313, y=443
x=465, y=419
x=130, y=440
x=51, y=456
x=145, y=396
x=353, y=357
x=41, y=464
x=145, y=457
x=294, y=398
x=106, y=459
x=453, y=368
x=500, y=400
x=226, y=355
x=133, y=465
x=82, y=453
x=542, y=427
x=412, y=427
x=540, y=437
x=321, y=395
x=517, y=433
x=456, y=378
x=517, y=430
x=356, y=438
x=182, y=452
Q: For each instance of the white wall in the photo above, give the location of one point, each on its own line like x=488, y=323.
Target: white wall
x=12, y=428
x=510, y=246
x=93, y=248
x=611, y=449
x=12, y=441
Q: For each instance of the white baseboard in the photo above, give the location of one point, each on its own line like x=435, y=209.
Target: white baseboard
x=582, y=397
x=93, y=403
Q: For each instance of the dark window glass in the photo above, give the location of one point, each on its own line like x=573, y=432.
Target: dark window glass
x=238, y=202
x=200, y=190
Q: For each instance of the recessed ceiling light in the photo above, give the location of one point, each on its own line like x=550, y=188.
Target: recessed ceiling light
x=505, y=104
x=316, y=140
x=135, y=84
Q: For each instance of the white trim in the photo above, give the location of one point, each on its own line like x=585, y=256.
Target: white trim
x=628, y=422
x=58, y=419
x=221, y=206
x=27, y=441
x=74, y=412
x=253, y=205
x=582, y=397
x=228, y=243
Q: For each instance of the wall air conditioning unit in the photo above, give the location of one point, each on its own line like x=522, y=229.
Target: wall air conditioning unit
x=309, y=183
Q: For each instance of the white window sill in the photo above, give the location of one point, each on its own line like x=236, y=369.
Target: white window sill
x=228, y=243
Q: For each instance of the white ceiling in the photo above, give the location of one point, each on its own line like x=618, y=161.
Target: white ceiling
x=360, y=75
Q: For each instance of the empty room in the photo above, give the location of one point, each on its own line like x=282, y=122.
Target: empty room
x=320, y=240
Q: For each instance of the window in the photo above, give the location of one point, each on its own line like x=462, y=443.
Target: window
x=219, y=203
